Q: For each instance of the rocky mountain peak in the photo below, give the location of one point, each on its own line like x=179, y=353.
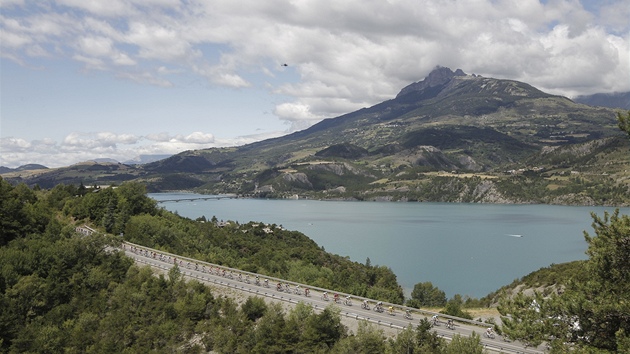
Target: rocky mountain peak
x=438, y=76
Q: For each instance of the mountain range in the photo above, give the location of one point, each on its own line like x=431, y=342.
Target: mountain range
x=451, y=137
x=611, y=100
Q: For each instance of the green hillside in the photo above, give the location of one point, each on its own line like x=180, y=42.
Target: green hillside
x=65, y=292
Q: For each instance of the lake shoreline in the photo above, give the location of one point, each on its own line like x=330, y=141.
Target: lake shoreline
x=393, y=199
x=462, y=248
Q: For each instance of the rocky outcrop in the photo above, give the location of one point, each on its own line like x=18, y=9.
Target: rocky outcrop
x=468, y=163
x=339, y=169
x=427, y=156
x=573, y=199
x=486, y=192
x=299, y=177
x=439, y=76
x=346, y=151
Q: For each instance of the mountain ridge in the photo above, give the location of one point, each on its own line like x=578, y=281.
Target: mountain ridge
x=467, y=125
x=619, y=100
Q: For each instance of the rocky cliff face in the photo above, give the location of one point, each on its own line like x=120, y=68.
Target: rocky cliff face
x=439, y=76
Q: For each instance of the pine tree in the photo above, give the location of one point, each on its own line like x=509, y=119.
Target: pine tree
x=594, y=309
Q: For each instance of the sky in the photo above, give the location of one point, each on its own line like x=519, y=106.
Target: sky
x=88, y=79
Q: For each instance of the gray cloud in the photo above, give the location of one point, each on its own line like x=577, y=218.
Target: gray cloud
x=345, y=55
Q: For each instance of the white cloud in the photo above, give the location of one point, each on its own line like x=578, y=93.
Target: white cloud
x=361, y=52
x=231, y=80
x=81, y=146
x=14, y=144
x=97, y=140
x=159, y=42
x=615, y=16
x=144, y=77
x=7, y=3
x=342, y=55
x=122, y=59
x=100, y=7
x=199, y=138
x=96, y=46
x=91, y=63
x=295, y=111
x=159, y=137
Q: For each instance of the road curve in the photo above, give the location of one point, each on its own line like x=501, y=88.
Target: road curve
x=213, y=274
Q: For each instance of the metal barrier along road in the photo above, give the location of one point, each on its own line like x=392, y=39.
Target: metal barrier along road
x=294, y=292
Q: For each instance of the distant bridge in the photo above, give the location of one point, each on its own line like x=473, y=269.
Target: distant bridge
x=192, y=199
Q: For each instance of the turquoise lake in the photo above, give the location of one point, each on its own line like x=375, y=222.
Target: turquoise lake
x=467, y=249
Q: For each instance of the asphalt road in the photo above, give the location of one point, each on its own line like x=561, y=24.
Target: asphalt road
x=213, y=274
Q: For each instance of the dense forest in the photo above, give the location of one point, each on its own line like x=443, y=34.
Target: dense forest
x=61, y=291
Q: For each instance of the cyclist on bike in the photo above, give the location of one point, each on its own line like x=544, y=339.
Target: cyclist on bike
x=379, y=306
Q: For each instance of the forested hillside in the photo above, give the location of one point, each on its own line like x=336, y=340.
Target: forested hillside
x=61, y=291
x=254, y=247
